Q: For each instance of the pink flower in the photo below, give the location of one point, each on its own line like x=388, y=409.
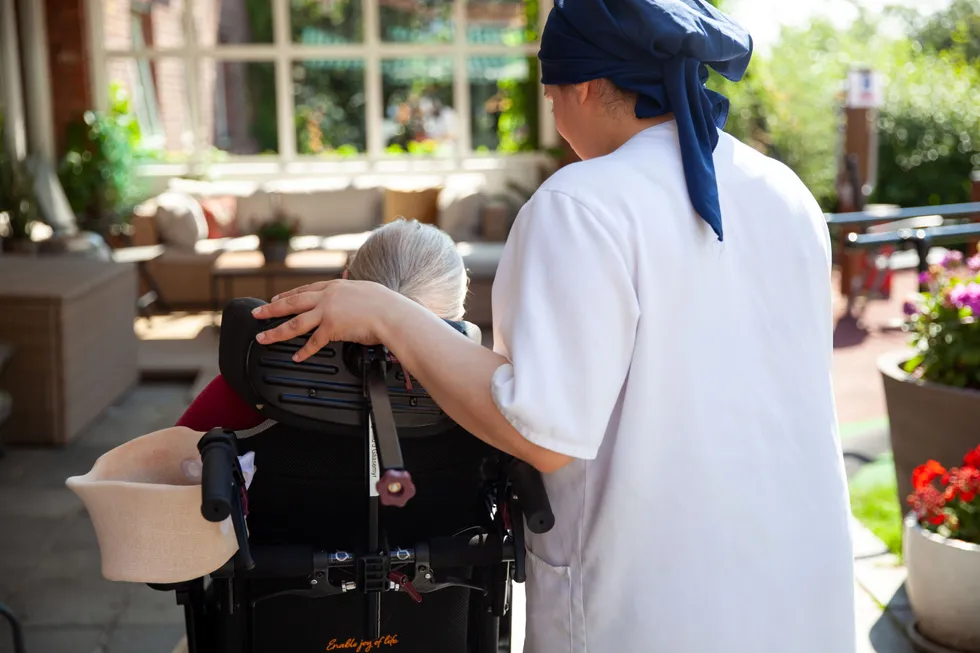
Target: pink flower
x=952, y=258
x=973, y=263
x=966, y=296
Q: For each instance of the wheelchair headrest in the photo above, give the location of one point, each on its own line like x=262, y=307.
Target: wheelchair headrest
x=325, y=389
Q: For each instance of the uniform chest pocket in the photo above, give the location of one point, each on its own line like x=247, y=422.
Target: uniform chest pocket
x=553, y=625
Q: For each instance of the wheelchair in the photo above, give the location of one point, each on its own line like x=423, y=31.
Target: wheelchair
x=373, y=522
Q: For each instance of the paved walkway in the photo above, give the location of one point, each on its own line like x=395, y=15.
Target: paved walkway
x=50, y=570
x=49, y=559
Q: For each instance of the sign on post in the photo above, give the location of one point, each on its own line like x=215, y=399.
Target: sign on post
x=864, y=89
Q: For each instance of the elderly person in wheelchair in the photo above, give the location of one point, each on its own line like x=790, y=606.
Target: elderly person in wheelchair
x=335, y=478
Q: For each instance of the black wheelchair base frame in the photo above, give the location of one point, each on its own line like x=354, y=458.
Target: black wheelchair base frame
x=416, y=571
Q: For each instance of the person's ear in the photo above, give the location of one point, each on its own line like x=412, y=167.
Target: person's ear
x=344, y=275
x=583, y=92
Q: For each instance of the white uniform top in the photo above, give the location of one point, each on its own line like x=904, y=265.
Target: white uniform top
x=707, y=510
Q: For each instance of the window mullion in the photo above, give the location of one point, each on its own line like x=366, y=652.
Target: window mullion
x=284, y=82
x=374, y=93
x=191, y=62
x=461, y=86
x=547, y=131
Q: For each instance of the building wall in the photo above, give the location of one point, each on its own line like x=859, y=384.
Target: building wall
x=69, y=60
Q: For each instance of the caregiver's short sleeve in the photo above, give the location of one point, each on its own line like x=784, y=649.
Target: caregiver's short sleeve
x=565, y=315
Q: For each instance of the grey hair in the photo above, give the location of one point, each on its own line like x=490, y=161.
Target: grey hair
x=419, y=261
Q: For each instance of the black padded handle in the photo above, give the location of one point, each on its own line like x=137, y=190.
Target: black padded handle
x=217, y=475
x=533, y=497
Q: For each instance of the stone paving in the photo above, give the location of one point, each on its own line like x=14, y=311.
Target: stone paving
x=49, y=559
x=50, y=570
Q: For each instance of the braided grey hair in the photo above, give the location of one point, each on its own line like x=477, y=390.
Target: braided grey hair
x=418, y=261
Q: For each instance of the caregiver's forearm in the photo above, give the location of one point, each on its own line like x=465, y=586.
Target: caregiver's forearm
x=457, y=373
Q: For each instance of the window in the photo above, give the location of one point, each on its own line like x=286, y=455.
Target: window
x=323, y=79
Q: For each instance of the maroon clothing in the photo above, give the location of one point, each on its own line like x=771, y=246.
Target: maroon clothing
x=218, y=406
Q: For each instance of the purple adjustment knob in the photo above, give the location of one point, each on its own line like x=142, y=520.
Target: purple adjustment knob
x=395, y=488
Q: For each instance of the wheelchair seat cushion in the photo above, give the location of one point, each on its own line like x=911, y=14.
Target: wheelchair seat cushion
x=145, y=504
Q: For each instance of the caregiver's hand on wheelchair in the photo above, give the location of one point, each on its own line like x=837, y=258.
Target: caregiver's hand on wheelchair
x=456, y=372
x=340, y=310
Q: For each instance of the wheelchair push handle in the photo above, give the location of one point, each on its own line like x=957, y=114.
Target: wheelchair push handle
x=532, y=496
x=223, y=487
x=217, y=475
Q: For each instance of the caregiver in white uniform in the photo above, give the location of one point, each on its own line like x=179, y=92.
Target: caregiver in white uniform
x=662, y=353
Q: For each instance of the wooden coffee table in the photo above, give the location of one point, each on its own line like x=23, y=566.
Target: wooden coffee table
x=328, y=264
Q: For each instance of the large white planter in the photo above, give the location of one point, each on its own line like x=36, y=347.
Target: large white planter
x=944, y=589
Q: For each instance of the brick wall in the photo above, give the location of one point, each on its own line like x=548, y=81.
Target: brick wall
x=69, y=61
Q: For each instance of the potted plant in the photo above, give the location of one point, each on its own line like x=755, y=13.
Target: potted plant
x=274, y=237
x=18, y=204
x=942, y=554
x=99, y=170
x=933, y=391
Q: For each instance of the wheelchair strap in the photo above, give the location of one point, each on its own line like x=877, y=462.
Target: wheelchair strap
x=255, y=430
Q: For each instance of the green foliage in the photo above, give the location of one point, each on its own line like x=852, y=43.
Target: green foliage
x=944, y=324
x=874, y=502
x=929, y=129
x=789, y=106
x=98, y=172
x=956, y=29
x=330, y=108
x=517, y=129
x=17, y=199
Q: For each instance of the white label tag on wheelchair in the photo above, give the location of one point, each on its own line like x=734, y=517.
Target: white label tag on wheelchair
x=375, y=471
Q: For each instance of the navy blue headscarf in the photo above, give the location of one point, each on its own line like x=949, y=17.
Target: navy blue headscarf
x=660, y=50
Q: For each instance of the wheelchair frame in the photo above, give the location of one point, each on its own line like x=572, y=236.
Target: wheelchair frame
x=283, y=389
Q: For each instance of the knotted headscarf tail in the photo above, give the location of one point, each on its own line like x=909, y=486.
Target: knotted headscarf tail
x=660, y=50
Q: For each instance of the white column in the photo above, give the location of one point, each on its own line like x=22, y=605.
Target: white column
x=192, y=88
x=40, y=120
x=13, y=97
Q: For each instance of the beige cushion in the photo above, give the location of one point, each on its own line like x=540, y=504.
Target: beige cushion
x=253, y=210
x=421, y=205
x=460, y=216
x=180, y=220
x=203, y=188
x=333, y=212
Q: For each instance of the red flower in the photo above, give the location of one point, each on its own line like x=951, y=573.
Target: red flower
x=964, y=482
x=928, y=503
x=937, y=520
x=923, y=475
x=972, y=459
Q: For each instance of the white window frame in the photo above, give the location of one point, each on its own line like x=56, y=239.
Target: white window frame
x=283, y=52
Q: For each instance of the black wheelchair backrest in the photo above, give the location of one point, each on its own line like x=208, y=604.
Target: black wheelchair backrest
x=328, y=388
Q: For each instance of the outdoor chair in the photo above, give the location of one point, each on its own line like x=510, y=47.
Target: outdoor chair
x=373, y=522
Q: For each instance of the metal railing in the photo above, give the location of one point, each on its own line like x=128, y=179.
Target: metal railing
x=903, y=228
x=883, y=214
